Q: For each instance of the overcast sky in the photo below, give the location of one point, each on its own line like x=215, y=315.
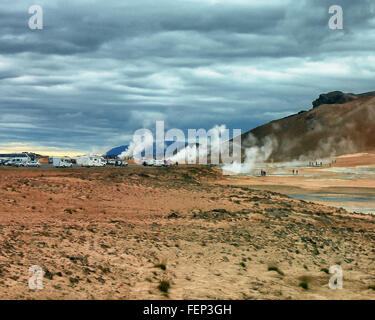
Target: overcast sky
x=99, y=70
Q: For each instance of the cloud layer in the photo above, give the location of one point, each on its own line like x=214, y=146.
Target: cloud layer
x=99, y=70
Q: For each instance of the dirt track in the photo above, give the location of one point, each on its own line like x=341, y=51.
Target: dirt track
x=109, y=233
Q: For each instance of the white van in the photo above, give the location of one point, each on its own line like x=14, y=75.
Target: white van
x=18, y=162
x=59, y=162
x=148, y=162
x=158, y=163
x=91, y=161
x=33, y=163
x=121, y=163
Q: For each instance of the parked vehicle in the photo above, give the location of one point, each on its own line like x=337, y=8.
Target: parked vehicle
x=167, y=163
x=148, y=162
x=7, y=163
x=18, y=162
x=103, y=162
x=61, y=162
x=121, y=163
x=33, y=163
x=111, y=162
x=158, y=163
x=91, y=161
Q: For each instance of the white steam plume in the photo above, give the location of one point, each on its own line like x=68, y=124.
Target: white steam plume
x=136, y=147
x=253, y=156
x=205, y=148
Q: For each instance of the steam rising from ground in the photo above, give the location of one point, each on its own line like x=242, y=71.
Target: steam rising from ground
x=201, y=146
x=253, y=156
x=204, y=149
x=136, y=147
x=188, y=154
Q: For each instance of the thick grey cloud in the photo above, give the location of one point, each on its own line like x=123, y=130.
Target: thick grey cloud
x=99, y=70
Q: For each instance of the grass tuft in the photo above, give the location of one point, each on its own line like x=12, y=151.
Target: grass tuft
x=275, y=268
x=162, y=266
x=304, y=285
x=164, y=286
x=325, y=270
x=304, y=282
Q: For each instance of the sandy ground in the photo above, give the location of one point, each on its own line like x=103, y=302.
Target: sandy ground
x=118, y=233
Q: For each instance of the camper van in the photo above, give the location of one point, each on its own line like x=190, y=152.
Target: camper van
x=15, y=159
x=91, y=161
x=59, y=162
x=19, y=162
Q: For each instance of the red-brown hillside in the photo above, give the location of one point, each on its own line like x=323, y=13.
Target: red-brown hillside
x=346, y=125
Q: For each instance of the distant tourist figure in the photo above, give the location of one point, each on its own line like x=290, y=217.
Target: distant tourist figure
x=296, y=171
x=293, y=171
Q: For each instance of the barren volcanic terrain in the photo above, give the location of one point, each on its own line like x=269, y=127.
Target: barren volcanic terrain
x=174, y=233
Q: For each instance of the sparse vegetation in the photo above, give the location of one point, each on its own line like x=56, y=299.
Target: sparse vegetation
x=161, y=265
x=104, y=269
x=164, y=286
x=325, y=270
x=275, y=268
x=304, y=282
x=304, y=285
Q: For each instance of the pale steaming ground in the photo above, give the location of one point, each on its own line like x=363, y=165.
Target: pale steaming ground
x=359, y=170
x=344, y=182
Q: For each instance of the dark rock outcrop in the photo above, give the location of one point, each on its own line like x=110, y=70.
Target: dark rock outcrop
x=334, y=97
